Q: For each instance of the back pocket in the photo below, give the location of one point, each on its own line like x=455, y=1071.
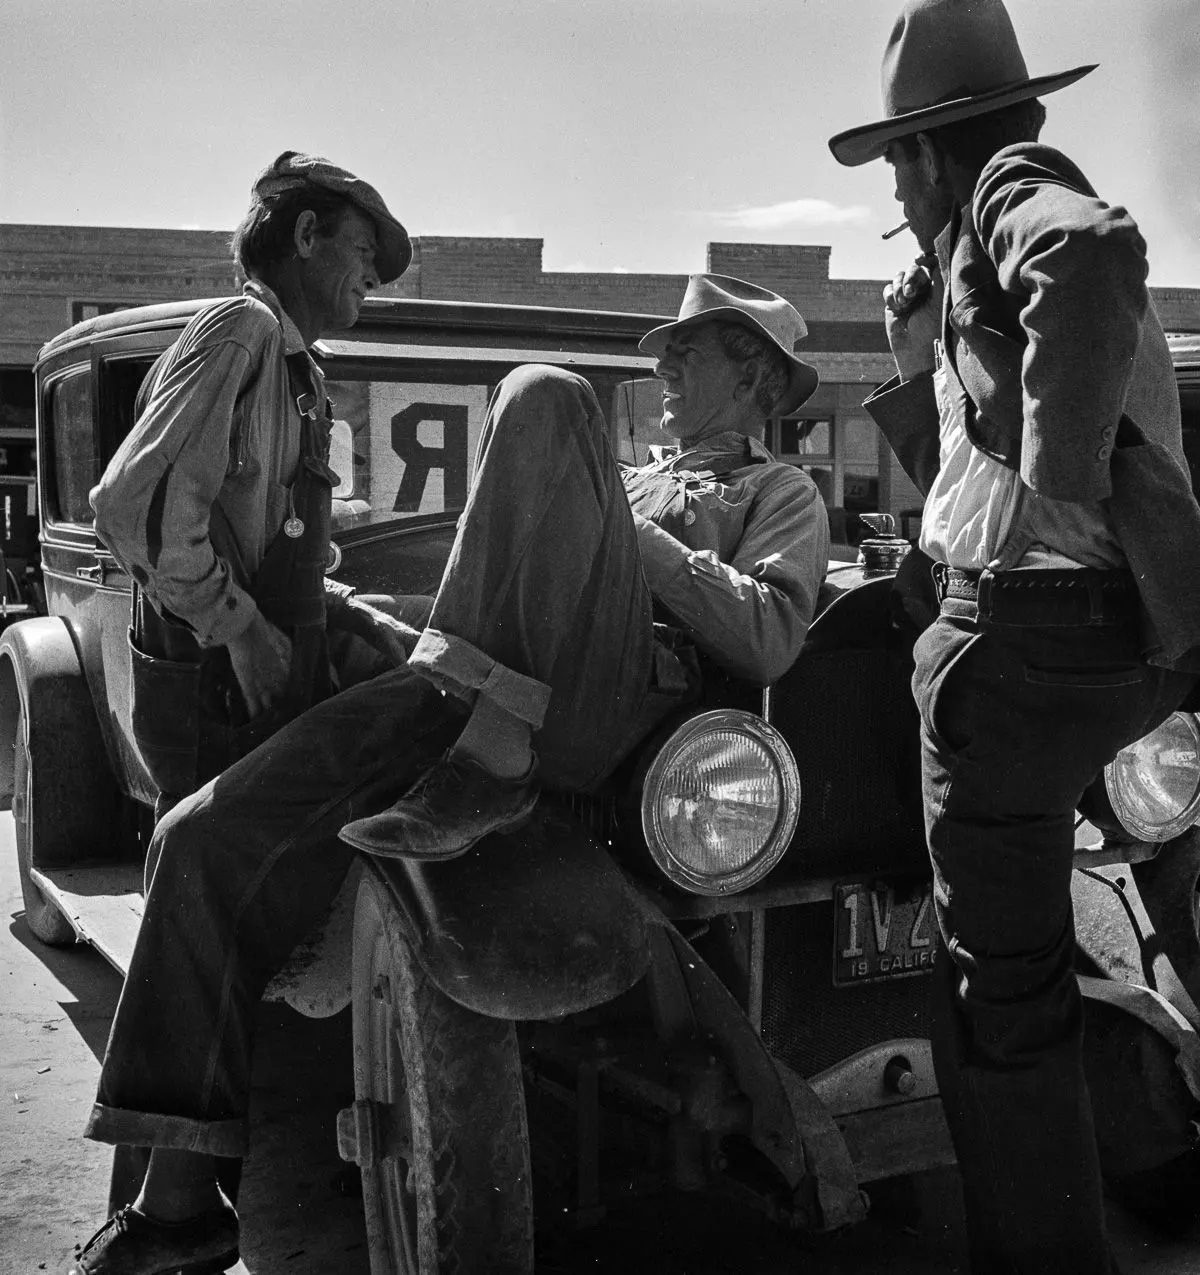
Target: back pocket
x=164, y=711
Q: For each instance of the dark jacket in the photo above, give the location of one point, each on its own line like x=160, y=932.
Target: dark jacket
x=1050, y=326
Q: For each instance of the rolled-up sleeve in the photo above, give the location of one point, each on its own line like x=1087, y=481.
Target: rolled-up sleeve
x=154, y=502
x=1082, y=265
x=752, y=612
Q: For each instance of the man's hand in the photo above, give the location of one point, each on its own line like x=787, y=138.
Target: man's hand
x=261, y=657
x=913, y=315
x=391, y=637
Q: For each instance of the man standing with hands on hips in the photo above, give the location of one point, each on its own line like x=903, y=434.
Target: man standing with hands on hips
x=1035, y=405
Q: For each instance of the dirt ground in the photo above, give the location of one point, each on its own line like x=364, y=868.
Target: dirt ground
x=301, y=1213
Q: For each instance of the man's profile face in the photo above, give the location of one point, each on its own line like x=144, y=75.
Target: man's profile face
x=699, y=380
x=926, y=205
x=340, y=271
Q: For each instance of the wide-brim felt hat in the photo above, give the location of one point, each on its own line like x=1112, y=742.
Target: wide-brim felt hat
x=947, y=60
x=292, y=170
x=720, y=298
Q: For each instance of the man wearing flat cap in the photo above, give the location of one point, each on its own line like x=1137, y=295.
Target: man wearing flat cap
x=218, y=501
x=565, y=628
x=1035, y=404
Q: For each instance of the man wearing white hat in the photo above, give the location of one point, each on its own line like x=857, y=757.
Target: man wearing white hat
x=543, y=636
x=1036, y=406
x=721, y=541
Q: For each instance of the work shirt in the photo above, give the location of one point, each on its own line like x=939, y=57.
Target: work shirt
x=737, y=549
x=200, y=487
x=978, y=511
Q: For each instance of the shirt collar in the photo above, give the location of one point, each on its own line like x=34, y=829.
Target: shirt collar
x=729, y=443
x=293, y=342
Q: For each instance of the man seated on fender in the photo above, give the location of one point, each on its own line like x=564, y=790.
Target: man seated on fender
x=724, y=543
x=542, y=635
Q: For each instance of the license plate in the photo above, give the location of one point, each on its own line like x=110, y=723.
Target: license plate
x=881, y=931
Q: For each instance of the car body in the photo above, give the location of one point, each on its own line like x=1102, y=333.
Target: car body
x=609, y=993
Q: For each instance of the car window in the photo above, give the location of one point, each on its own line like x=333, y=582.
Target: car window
x=403, y=447
x=75, y=452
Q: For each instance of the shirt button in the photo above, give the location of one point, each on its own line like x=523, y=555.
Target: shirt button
x=1101, y=452
x=689, y=517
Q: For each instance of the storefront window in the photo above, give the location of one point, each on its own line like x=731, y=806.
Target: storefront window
x=842, y=458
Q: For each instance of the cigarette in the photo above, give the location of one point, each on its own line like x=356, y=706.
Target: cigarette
x=895, y=230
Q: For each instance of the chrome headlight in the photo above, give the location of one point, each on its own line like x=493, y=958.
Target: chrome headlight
x=720, y=802
x=1153, y=784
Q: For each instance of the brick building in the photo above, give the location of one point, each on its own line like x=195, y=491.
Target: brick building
x=53, y=276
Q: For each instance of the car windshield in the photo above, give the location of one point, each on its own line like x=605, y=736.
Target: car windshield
x=404, y=443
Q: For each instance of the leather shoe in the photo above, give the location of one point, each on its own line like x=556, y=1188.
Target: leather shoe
x=130, y=1243
x=451, y=807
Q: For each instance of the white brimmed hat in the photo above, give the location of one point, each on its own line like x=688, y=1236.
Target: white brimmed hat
x=718, y=298
x=947, y=60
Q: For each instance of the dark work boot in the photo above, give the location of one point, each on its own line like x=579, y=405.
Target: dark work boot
x=453, y=805
x=130, y=1243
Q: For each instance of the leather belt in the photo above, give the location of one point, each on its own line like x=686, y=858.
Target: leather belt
x=1083, y=595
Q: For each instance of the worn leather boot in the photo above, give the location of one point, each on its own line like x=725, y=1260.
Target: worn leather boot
x=130, y=1243
x=451, y=807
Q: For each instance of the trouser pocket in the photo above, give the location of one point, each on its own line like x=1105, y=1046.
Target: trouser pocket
x=164, y=711
x=939, y=652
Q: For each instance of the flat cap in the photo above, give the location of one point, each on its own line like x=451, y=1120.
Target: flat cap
x=293, y=170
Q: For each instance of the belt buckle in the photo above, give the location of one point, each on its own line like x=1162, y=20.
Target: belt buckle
x=941, y=579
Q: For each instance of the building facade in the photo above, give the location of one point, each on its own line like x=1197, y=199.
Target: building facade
x=53, y=276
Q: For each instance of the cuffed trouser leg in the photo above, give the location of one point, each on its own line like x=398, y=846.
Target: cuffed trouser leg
x=543, y=606
x=246, y=867
x=1015, y=723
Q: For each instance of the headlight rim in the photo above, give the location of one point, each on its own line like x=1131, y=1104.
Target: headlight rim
x=779, y=840
x=1130, y=822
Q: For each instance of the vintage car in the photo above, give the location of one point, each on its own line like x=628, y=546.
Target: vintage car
x=711, y=975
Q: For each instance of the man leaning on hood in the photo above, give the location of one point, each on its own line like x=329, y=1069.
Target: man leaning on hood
x=1035, y=404
x=218, y=501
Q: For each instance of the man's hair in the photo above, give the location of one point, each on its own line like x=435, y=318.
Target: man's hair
x=970, y=143
x=740, y=345
x=265, y=235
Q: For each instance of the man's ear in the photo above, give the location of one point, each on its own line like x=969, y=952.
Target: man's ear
x=304, y=234
x=747, y=382
x=932, y=161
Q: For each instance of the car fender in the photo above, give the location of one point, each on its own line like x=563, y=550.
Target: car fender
x=1136, y=924
x=1159, y=1015
x=1141, y=1051
x=789, y=1123
x=530, y=925
x=72, y=802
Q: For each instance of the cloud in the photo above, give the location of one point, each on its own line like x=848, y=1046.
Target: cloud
x=795, y=212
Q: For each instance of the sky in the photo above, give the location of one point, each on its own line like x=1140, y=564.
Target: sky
x=626, y=134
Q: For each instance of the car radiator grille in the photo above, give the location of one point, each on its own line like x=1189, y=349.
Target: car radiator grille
x=806, y=1021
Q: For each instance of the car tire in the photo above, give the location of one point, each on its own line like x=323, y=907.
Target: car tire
x=448, y=1187
x=42, y=916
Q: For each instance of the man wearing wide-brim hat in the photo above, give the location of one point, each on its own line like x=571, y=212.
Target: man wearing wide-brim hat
x=718, y=539
x=1035, y=404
